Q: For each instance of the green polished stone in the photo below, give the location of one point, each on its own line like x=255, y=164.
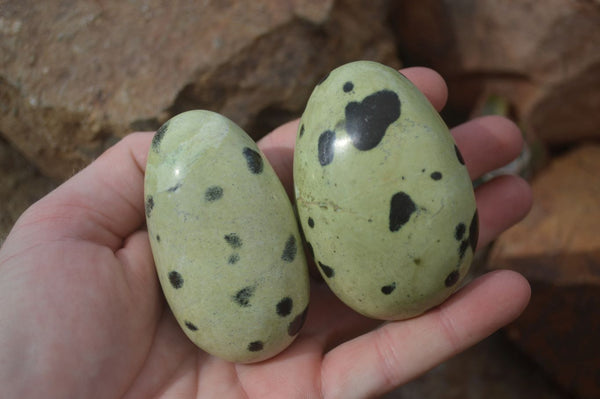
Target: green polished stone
x=382, y=192
x=224, y=237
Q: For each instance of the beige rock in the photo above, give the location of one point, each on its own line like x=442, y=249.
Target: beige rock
x=566, y=210
x=76, y=75
x=542, y=56
x=557, y=248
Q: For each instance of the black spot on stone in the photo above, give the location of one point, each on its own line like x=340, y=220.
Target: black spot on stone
x=255, y=346
x=233, y=259
x=311, y=251
x=459, y=231
x=191, y=325
x=459, y=155
x=296, y=324
x=367, y=121
x=348, y=87
x=213, y=193
x=149, y=205
x=301, y=133
x=464, y=244
x=284, y=307
x=254, y=160
x=290, y=249
x=452, y=278
x=417, y=261
x=311, y=223
x=436, y=175
x=242, y=297
x=328, y=271
x=474, y=231
x=175, y=279
x=388, y=289
x=157, y=238
x=326, y=147
x=234, y=240
x=324, y=78
x=174, y=188
x=401, y=208
x=158, y=136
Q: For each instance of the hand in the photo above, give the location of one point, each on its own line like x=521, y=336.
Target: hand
x=82, y=314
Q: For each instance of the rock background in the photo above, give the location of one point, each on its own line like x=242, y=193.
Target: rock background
x=557, y=247
x=75, y=76
x=543, y=57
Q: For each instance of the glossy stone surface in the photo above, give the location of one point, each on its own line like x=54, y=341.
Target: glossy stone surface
x=383, y=195
x=225, y=240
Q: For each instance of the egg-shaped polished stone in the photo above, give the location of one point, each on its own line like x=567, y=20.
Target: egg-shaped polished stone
x=383, y=195
x=224, y=238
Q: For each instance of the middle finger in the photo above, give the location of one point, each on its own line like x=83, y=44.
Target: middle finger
x=487, y=143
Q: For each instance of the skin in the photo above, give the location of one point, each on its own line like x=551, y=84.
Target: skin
x=82, y=314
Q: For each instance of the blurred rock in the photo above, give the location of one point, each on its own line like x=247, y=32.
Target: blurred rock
x=557, y=249
x=542, y=56
x=76, y=75
x=492, y=369
x=21, y=185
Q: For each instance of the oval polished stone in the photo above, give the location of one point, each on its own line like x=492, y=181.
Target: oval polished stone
x=224, y=238
x=382, y=192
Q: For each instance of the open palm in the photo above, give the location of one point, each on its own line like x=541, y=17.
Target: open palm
x=82, y=314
